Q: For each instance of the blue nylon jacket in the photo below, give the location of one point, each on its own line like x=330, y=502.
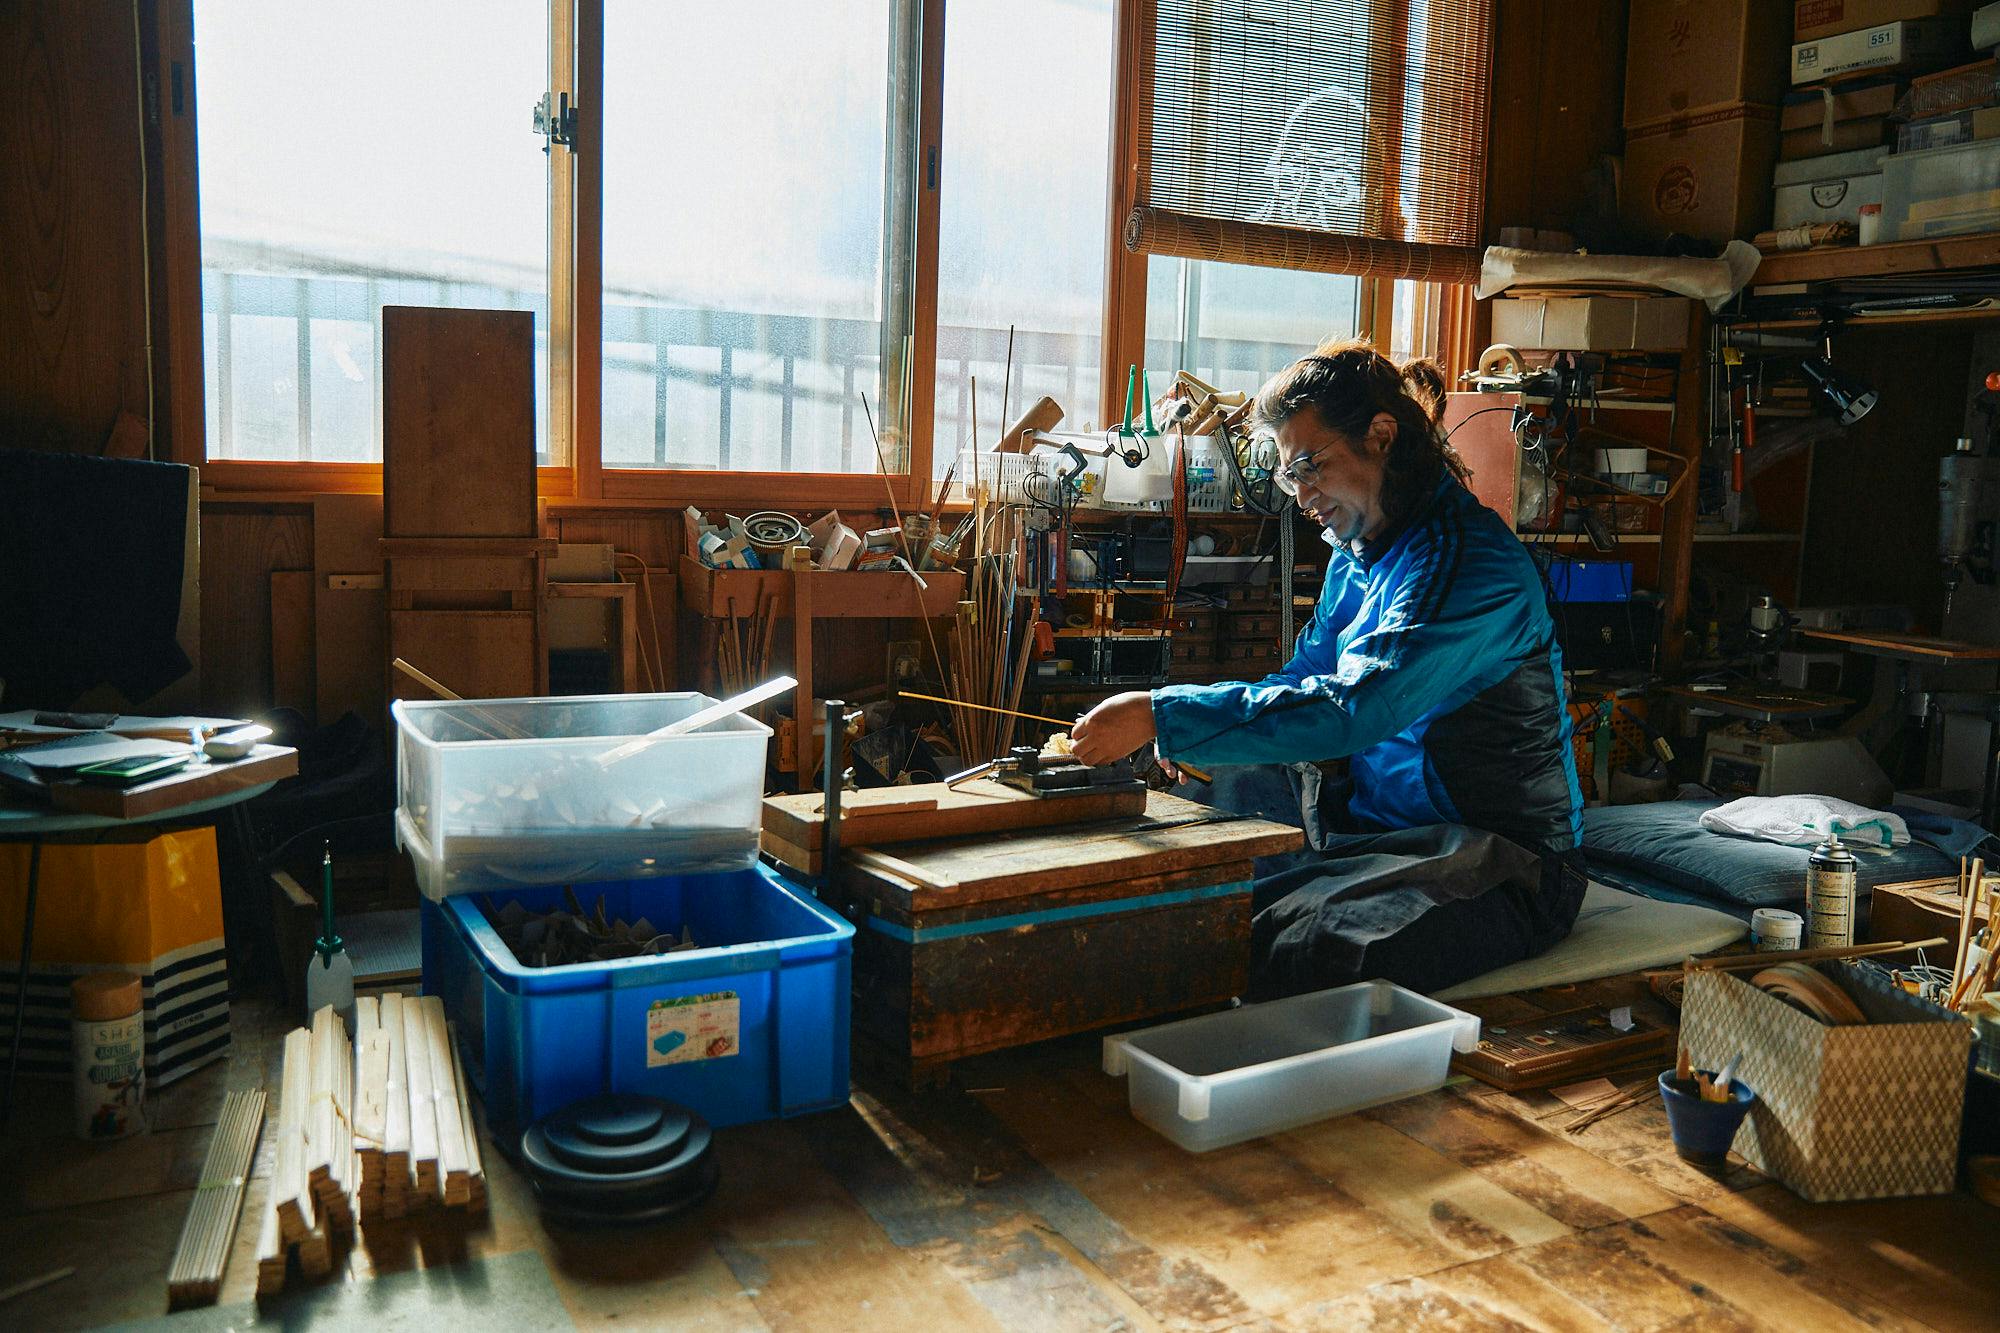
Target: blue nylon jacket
x=1431, y=665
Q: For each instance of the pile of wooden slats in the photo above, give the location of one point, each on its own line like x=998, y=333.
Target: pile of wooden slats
x=367, y=1130
x=414, y=1125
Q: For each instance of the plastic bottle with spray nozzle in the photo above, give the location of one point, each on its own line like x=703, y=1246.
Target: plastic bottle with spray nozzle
x=330, y=973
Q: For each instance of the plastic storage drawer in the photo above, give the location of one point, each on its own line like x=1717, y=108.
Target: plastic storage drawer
x=750, y=1027
x=1941, y=192
x=1262, y=1069
x=514, y=793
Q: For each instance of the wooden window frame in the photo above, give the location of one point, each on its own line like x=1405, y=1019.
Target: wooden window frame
x=575, y=287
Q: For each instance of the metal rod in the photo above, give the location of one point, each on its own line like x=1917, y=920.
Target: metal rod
x=836, y=722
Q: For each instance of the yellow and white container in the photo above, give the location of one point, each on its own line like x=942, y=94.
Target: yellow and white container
x=107, y=1054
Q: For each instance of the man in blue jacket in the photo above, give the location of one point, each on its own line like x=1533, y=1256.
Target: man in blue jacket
x=1431, y=668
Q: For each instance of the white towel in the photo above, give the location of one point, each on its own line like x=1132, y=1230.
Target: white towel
x=1805, y=821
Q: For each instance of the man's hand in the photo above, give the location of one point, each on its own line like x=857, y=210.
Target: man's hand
x=1113, y=729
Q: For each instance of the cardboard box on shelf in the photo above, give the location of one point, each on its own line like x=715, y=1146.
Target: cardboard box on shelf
x=1684, y=54
x=1846, y=137
x=1706, y=175
x=1592, y=323
x=1912, y=44
x=1837, y=118
x=1813, y=19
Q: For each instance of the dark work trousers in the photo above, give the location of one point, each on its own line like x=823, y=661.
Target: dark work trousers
x=1423, y=907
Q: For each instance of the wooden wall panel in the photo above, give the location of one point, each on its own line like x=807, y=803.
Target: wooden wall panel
x=72, y=292
x=350, y=622
x=292, y=639
x=458, y=422
x=1558, y=103
x=240, y=547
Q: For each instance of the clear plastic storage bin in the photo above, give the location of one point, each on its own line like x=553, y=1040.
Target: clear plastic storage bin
x=1941, y=191
x=1262, y=1069
x=512, y=793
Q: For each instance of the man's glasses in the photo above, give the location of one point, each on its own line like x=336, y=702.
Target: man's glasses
x=1301, y=471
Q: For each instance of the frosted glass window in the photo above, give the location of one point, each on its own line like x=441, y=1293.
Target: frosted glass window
x=352, y=155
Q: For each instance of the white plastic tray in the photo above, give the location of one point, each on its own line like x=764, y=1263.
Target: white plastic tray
x=1262, y=1069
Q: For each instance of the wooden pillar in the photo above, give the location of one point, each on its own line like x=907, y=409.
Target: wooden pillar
x=1690, y=434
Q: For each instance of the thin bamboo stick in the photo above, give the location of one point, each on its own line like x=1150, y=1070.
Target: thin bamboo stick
x=1737, y=962
x=1032, y=717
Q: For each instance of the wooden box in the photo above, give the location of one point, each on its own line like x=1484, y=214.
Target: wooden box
x=978, y=944
x=1920, y=910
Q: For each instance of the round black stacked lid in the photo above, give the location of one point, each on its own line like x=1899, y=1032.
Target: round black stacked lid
x=620, y=1157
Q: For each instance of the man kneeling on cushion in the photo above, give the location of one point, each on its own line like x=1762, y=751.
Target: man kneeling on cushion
x=1449, y=845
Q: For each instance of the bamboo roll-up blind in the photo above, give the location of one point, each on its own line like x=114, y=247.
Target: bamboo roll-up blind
x=1345, y=136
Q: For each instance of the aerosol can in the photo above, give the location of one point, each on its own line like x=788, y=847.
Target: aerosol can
x=1830, y=876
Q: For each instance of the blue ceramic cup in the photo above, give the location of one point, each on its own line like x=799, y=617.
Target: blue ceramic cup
x=1703, y=1130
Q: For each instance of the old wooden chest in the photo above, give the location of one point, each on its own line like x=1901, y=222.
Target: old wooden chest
x=978, y=943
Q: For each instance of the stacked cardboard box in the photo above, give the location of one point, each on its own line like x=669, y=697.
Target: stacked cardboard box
x=1852, y=62
x=1702, y=84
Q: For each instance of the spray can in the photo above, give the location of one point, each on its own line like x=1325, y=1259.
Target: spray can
x=1830, y=874
x=107, y=1054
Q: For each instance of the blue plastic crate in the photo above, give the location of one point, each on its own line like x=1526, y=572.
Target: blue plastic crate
x=751, y=1026
x=1590, y=580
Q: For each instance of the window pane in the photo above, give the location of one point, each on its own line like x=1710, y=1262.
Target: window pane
x=1027, y=116
x=354, y=155
x=1236, y=325
x=743, y=183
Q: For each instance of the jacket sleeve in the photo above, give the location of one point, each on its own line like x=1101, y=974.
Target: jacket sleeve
x=1445, y=631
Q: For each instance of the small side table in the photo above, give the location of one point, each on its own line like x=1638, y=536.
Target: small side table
x=37, y=826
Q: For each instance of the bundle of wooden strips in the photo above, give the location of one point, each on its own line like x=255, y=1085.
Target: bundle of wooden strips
x=329, y=1130
x=989, y=641
x=288, y=1208
x=210, y=1230
x=1972, y=977
x=366, y=1128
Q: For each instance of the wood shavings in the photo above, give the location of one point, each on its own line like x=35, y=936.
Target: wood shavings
x=560, y=937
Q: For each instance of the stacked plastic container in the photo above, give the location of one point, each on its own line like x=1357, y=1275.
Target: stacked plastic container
x=513, y=800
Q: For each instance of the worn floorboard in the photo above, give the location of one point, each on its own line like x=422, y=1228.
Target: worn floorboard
x=1025, y=1197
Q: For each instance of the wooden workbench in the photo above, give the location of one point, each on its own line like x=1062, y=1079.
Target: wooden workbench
x=976, y=944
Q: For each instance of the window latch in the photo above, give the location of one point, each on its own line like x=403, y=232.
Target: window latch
x=557, y=125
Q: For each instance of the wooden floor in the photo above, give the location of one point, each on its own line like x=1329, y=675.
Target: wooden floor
x=1025, y=1197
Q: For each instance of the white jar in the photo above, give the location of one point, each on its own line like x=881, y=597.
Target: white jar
x=108, y=1054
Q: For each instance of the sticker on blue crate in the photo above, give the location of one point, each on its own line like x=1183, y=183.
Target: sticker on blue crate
x=694, y=1027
